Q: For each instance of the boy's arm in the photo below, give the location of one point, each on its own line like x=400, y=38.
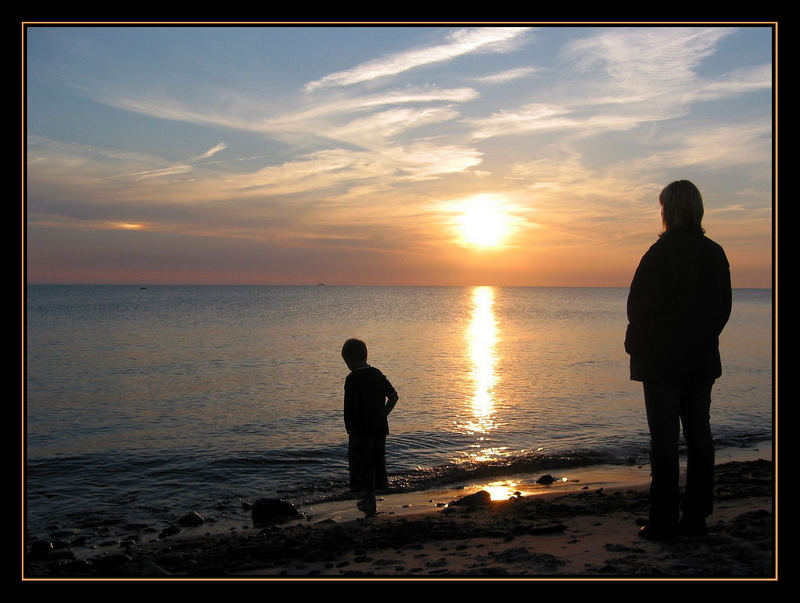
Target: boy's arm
x=349, y=408
x=393, y=398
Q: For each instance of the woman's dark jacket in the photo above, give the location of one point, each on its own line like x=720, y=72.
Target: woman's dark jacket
x=679, y=302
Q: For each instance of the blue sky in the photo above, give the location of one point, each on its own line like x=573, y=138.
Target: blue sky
x=361, y=155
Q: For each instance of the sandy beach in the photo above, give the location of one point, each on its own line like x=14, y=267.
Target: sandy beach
x=575, y=529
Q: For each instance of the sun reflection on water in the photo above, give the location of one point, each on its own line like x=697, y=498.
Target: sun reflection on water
x=482, y=335
x=502, y=490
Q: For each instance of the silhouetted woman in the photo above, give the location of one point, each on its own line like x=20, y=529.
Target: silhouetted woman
x=679, y=302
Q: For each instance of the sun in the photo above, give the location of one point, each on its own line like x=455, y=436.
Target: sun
x=482, y=222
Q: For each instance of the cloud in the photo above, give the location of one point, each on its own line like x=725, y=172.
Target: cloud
x=541, y=117
x=507, y=76
x=340, y=106
x=717, y=147
x=341, y=167
x=173, y=170
x=252, y=115
x=646, y=61
x=161, y=172
x=382, y=126
x=622, y=78
x=740, y=81
x=461, y=42
x=535, y=116
x=213, y=150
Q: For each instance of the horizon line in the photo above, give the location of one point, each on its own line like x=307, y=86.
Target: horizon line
x=322, y=284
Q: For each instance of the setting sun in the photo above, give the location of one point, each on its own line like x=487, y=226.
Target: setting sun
x=483, y=222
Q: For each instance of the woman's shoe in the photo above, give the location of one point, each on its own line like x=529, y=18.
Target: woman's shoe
x=692, y=526
x=648, y=533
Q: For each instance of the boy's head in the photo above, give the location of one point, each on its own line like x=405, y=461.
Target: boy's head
x=354, y=352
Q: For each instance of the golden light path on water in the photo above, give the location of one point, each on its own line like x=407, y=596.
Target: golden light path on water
x=482, y=339
x=482, y=336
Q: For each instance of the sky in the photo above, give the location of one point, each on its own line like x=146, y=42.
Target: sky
x=389, y=155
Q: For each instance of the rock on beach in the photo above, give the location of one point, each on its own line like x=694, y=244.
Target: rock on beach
x=478, y=499
x=191, y=519
x=272, y=510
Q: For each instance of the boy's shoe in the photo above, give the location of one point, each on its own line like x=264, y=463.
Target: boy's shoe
x=368, y=507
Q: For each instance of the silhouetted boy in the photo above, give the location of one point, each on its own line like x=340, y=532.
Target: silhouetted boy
x=368, y=399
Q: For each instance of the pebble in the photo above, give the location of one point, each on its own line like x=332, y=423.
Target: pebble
x=191, y=519
x=41, y=547
x=482, y=497
x=268, y=510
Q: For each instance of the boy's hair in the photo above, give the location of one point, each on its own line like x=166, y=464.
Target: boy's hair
x=354, y=350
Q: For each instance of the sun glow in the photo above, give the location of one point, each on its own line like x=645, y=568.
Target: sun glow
x=126, y=226
x=502, y=490
x=483, y=222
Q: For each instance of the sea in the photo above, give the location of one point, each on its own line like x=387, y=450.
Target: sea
x=143, y=402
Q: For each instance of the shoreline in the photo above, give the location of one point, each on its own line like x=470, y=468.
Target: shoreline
x=568, y=481
x=578, y=527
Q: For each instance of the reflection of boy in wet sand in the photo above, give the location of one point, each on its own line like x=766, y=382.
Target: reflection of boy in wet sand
x=368, y=399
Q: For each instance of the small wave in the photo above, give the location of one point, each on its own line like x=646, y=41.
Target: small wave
x=423, y=478
x=123, y=485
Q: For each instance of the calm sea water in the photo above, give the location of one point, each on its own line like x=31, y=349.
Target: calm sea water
x=143, y=403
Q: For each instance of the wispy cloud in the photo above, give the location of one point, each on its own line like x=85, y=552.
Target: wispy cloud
x=625, y=77
x=646, y=61
x=738, y=82
x=382, y=126
x=535, y=116
x=714, y=147
x=507, y=76
x=461, y=42
x=160, y=172
x=339, y=106
x=213, y=150
x=318, y=119
x=325, y=169
x=173, y=170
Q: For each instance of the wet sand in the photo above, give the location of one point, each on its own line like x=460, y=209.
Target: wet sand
x=576, y=528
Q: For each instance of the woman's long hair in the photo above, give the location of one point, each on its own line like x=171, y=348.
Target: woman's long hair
x=682, y=207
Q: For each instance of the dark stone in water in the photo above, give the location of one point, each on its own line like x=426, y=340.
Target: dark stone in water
x=269, y=510
x=191, y=519
x=546, y=480
x=64, y=554
x=40, y=549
